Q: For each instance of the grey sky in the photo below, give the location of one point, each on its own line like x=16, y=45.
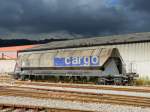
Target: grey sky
x=75, y=18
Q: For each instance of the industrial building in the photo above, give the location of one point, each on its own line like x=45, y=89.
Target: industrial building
x=134, y=49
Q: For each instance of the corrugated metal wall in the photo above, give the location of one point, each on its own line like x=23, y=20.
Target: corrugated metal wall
x=136, y=57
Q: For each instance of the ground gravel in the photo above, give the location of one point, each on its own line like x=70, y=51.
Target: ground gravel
x=97, y=107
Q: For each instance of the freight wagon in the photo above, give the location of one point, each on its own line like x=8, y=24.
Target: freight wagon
x=98, y=65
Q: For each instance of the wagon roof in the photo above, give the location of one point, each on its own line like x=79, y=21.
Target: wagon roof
x=95, y=41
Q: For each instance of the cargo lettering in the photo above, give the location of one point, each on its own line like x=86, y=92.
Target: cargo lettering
x=68, y=61
x=76, y=61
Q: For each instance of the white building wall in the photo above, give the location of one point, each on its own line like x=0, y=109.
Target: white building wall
x=7, y=66
x=136, y=57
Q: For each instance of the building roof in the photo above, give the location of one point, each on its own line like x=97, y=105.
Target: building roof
x=95, y=41
x=11, y=52
x=16, y=48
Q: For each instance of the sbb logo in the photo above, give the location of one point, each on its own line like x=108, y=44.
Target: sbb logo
x=76, y=61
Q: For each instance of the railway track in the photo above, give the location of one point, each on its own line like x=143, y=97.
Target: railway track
x=5, y=78
x=8, y=79
x=45, y=93
x=86, y=86
x=27, y=108
x=75, y=96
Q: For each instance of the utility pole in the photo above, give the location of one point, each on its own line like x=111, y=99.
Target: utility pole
x=2, y=55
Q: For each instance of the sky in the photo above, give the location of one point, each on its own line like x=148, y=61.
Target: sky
x=73, y=18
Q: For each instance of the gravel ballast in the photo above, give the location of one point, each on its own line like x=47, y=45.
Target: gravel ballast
x=70, y=105
x=97, y=91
